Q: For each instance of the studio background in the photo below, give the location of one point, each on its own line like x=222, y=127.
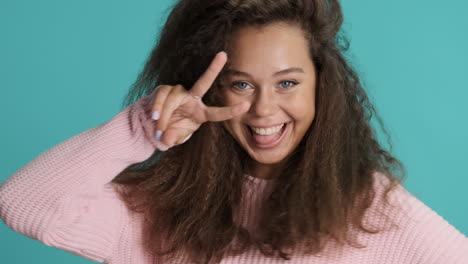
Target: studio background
x=65, y=67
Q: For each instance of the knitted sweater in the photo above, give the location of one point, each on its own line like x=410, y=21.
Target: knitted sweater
x=64, y=199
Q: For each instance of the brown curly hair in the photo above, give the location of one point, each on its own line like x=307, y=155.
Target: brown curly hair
x=193, y=190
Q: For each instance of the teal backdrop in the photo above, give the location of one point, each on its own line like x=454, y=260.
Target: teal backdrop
x=65, y=67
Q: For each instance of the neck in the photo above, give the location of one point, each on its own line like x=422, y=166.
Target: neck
x=264, y=171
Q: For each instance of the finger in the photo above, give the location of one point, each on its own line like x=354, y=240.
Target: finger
x=160, y=97
x=169, y=137
x=216, y=114
x=175, y=136
x=204, y=83
x=186, y=138
x=172, y=102
x=161, y=146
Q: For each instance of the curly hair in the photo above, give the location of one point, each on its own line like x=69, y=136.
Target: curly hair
x=193, y=190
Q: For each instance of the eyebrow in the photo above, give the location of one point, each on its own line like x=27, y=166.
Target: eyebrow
x=285, y=71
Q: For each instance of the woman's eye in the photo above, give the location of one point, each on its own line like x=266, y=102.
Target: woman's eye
x=283, y=84
x=241, y=85
x=291, y=83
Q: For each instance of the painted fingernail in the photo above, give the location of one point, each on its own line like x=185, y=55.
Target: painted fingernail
x=155, y=115
x=158, y=135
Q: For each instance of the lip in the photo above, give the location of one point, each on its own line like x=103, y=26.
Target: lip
x=285, y=129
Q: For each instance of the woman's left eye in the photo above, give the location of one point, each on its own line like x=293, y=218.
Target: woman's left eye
x=291, y=83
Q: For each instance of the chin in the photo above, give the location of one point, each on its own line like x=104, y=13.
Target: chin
x=267, y=158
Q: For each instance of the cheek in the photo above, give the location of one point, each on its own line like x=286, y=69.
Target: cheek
x=300, y=113
x=300, y=109
x=230, y=98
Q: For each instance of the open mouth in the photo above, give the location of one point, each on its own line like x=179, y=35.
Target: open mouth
x=267, y=137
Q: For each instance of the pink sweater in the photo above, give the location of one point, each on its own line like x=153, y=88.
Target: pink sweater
x=64, y=199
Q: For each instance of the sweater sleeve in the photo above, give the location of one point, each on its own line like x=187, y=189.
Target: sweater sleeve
x=64, y=197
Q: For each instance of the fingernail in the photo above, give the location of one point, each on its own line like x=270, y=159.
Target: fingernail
x=187, y=138
x=158, y=135
x=163, y=147
x=155, y=115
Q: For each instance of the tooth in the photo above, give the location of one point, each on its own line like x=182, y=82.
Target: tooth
x=267, y=131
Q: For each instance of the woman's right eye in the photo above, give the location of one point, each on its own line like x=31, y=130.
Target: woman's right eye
x=240, y=85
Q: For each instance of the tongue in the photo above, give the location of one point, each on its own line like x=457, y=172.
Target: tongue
x=266, y=139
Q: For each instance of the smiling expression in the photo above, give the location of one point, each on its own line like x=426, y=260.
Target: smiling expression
x=271, y=68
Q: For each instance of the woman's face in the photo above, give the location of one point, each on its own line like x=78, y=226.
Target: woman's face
x=271, y=68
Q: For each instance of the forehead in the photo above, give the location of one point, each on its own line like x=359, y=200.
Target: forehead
x=267, y=48
x=262, y=37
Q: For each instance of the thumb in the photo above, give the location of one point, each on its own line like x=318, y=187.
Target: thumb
x=216, y=114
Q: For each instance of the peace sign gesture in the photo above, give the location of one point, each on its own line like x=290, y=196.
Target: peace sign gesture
x=180, y=112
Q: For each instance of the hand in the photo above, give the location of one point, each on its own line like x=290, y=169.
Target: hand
x=181, y=112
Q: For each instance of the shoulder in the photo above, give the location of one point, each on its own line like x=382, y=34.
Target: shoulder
x=422, y=231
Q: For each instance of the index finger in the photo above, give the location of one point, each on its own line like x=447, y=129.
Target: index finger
x=216, y=114
x=204, y=83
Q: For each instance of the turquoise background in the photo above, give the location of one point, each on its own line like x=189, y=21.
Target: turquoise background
x=66, y=65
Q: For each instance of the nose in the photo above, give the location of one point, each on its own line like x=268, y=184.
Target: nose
x=264, y=103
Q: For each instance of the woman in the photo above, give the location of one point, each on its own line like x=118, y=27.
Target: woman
x=255, y=147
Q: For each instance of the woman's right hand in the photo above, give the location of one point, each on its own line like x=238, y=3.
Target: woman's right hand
x=180, y=112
